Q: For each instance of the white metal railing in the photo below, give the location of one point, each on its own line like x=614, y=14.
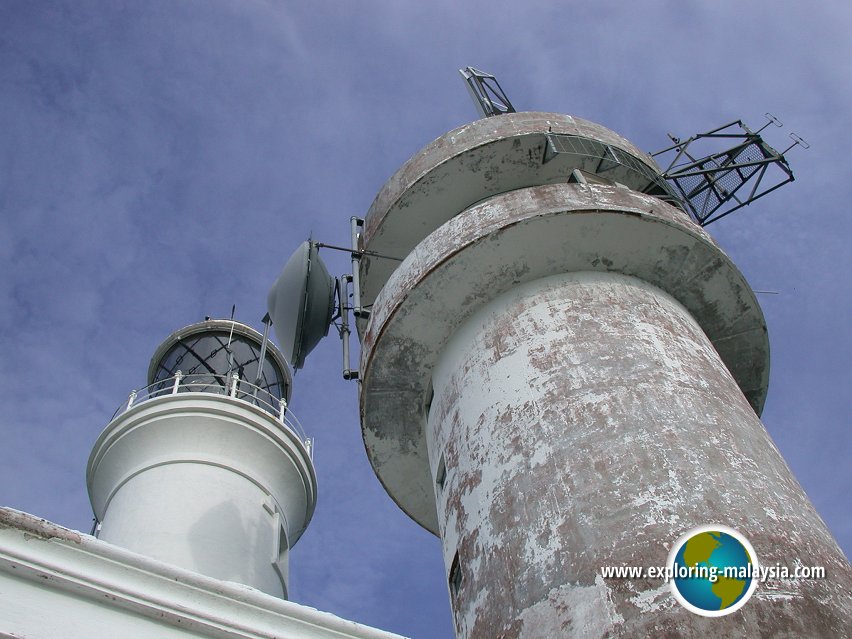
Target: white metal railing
x=230, y=386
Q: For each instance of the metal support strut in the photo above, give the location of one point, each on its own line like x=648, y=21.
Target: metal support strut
x=342, y=296
x=356, y=225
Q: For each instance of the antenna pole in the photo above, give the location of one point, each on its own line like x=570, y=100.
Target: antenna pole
x=343, y=295
x=771, y=119
x=487, y=94
x=267, y=322
x=228, y=345
x=797, y=141
x=356, y=224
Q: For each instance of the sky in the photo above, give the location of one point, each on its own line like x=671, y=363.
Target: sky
x=160, y=160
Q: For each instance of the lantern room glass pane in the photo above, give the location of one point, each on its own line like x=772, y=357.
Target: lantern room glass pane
x=210, y=359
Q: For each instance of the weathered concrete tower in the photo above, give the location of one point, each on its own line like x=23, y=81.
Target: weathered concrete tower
x=565, y=373
x=205, y=468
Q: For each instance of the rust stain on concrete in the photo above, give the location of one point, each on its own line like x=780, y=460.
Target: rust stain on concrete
x=34, y=527
x=598, y=365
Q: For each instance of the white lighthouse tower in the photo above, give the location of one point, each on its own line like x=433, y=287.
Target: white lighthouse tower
x=205, y=468
x=202, y=482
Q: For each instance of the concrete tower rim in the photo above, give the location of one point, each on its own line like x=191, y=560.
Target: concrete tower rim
x=397, y=452
x=476, y=161
x=478, y=133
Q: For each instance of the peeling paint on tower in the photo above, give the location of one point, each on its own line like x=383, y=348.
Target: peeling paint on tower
x=564, y=376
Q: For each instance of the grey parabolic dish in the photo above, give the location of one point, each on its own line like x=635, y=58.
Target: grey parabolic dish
x=301, y=303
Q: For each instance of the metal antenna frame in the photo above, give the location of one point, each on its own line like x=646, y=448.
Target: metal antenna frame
x=489, y=99
x=487, y=94
x=702, y=181
x=349, y=286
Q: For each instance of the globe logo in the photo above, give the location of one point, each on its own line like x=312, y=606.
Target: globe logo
x=714, y=570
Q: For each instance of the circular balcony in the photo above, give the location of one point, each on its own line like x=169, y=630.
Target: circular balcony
x=227, y=386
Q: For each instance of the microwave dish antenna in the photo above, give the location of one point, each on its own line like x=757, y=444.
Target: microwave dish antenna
x=301, y=303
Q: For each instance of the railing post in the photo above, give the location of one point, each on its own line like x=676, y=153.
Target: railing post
x=130, y=400
x=178, y=377
x=282, y=411
x=235, y=380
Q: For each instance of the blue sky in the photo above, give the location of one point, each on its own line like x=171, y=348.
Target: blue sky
x=159, y=161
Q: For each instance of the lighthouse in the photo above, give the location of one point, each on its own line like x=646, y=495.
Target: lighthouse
x=565, y=372
x=206, y=468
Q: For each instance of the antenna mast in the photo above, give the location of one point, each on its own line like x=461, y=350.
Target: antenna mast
x=487, y=94
x=710, y=182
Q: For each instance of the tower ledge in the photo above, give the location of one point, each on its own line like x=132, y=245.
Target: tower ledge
x=480, y=160
x=518, y=237
x=95, y=589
